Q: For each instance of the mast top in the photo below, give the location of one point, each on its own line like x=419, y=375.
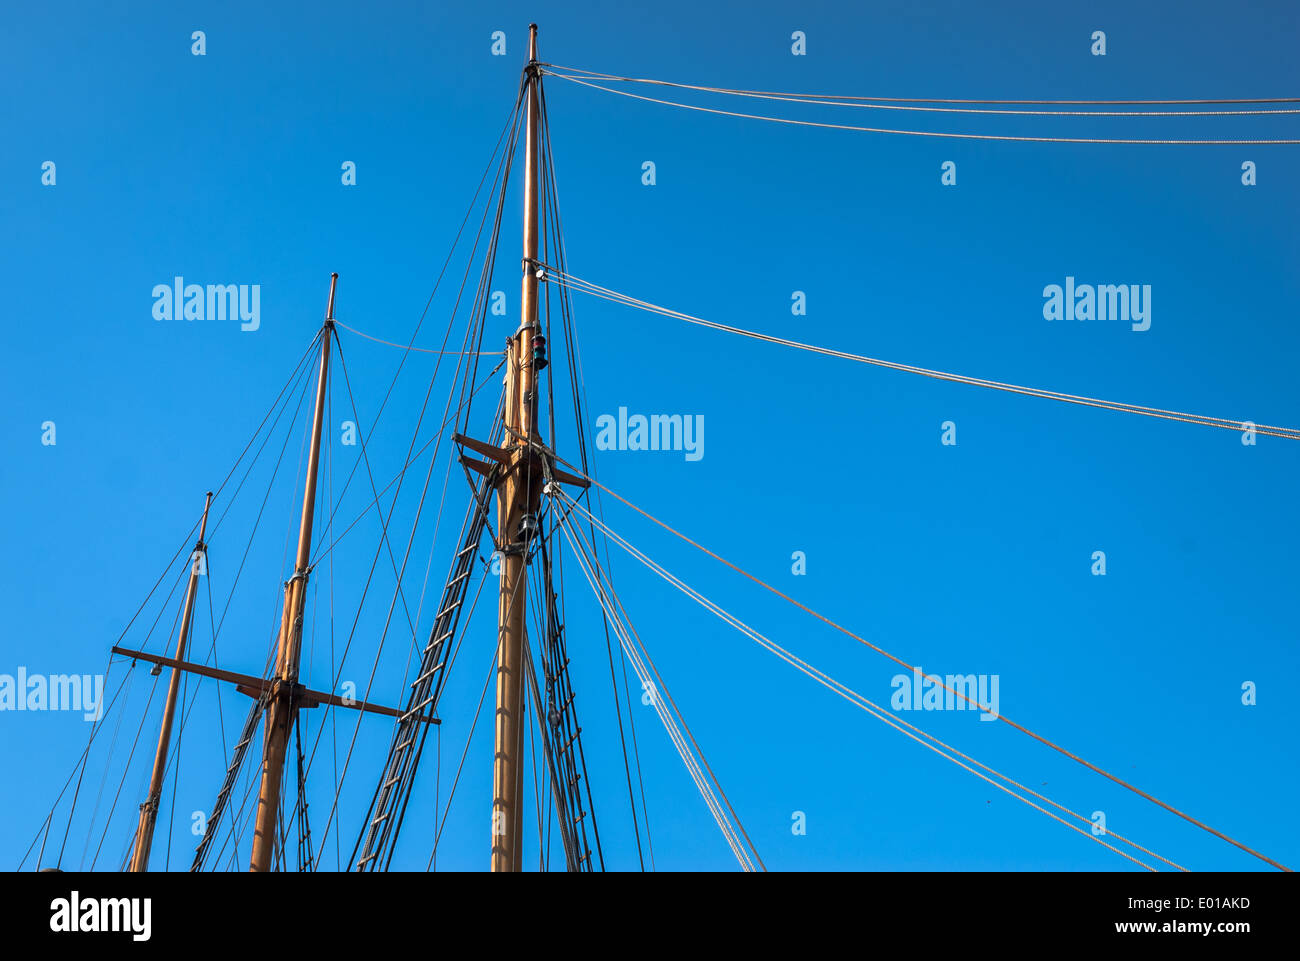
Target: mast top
x=203, y=524
x=329, y=311
x=532, y=42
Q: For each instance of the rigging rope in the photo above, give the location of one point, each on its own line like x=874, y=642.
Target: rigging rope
x=1203, y=420
x=446, y=811
x=688, y=759
x=608, y=76
x=422, y=350
x=577, y=384
x=507, y=128
x=862, y=702
x=617, y=607
x=873, y=103
x=926, y=133
x=501, y=181
x=897, y=660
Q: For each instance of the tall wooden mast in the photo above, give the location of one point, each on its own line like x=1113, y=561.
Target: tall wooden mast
x=517, y=498
x=286, y=692
x=149, y=809
x=519, y=471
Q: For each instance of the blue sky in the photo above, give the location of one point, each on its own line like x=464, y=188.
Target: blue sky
x=974, y=558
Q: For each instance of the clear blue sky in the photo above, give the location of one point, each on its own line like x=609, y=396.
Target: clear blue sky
x=968, y=559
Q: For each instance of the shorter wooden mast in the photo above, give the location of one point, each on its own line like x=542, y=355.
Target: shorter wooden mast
x=283, y=705
x=149, y=809
x=283, y=694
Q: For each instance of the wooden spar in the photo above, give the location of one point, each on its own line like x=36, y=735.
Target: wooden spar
x=282, y=706
x=149, y=809
x=256, y=686
x=518, y=496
